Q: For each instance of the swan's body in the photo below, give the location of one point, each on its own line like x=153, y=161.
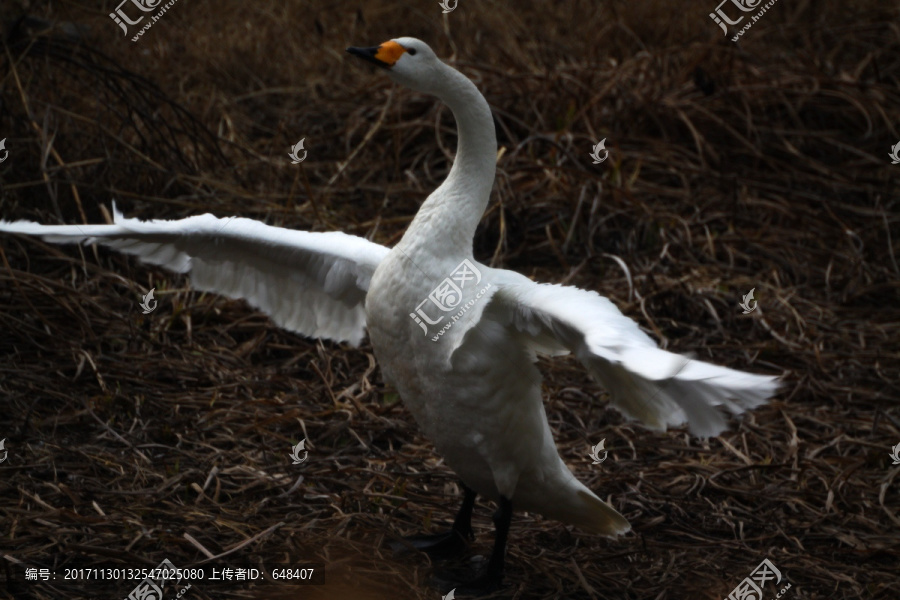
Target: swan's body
x=473, y=388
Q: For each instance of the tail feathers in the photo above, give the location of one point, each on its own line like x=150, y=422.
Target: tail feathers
x=571, y=502
x=690, y=395
x=599, y=517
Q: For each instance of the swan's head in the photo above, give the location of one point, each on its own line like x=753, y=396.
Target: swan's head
x=408, y=61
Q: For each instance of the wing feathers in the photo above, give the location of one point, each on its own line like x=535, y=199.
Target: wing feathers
x=659, y=388
x=311, y=283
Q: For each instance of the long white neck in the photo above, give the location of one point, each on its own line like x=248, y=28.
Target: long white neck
x=448, y=218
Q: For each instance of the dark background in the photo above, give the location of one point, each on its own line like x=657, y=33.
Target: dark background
x=760, y=164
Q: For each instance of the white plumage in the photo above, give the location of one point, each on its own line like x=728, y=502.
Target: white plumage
x=656, y=387
x=473, y=388
x=307, y=282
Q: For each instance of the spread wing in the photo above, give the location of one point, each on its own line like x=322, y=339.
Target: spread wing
x=312, y=283
x=646, y=383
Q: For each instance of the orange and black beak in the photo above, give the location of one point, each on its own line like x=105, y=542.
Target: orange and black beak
x=385, y=55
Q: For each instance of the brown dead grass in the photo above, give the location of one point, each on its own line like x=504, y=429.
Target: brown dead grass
x=135, y=438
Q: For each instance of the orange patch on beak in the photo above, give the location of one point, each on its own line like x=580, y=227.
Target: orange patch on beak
x=389, y=52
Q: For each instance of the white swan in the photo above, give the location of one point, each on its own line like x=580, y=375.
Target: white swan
x=458, y=339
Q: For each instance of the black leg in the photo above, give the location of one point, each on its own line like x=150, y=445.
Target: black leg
x=449, y=544
x=462, y=525
x=502, y=520
x=491, y=578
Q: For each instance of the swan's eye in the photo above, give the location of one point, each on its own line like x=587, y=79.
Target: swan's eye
x=412, y=51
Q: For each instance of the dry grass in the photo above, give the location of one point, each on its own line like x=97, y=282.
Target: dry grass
x=135, y=438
